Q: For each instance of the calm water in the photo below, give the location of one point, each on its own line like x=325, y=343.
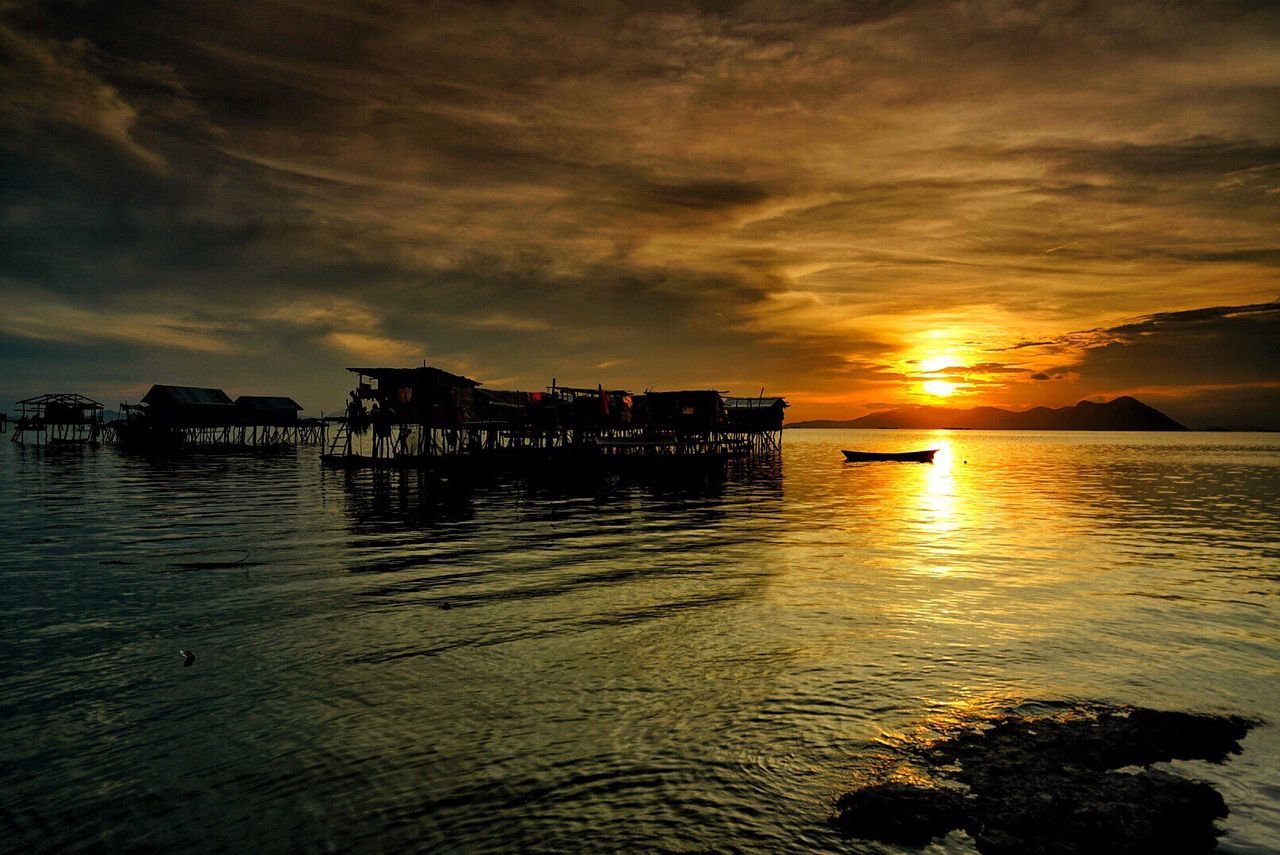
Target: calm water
x=644, y=667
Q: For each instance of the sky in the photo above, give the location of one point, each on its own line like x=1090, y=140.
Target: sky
x=855, y=205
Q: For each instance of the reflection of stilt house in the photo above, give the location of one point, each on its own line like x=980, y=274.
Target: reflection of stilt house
x=62, y=419
x=423, y=415
x=185, y=416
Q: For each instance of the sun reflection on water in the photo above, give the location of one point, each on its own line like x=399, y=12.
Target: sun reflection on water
x=940, y=507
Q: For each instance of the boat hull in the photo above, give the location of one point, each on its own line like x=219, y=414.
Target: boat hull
x=925, y=456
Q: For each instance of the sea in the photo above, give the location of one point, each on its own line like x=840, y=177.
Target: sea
x=389, y=662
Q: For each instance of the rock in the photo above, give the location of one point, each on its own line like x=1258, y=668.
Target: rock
x=1047, y=784
x=900, y=813
x=1112, y=812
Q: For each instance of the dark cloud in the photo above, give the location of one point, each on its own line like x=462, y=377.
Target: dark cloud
x=1197, y=157
x=982, y=368
x=709, y=195
x=1218, y=407
x=1187, y=360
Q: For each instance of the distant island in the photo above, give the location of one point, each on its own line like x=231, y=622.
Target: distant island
x=1123, y=413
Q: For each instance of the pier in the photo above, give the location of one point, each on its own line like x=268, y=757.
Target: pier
x=426, y=416
x=172, y=417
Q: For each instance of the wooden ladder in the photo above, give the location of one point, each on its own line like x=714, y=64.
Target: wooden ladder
x=341, y=436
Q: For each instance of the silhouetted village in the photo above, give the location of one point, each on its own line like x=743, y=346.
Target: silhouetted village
x=427, y=416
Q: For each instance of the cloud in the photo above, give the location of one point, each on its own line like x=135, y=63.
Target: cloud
x=373, y=348
x=333, y=313
x=806, y=197
x=32, y=314
x=1187, y=359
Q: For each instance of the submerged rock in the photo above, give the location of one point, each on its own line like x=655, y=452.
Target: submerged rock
x=902, y=813
x=1048, y=784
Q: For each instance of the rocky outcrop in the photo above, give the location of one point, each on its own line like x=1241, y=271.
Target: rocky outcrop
x=1077, y=781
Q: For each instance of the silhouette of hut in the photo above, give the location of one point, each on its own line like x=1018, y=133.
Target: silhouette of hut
x=688, y=410
x=190, y=406
x=752, y=414
x=268, y=410
x=421, y=396
x=55, y=419
x=502, y=407
x=595, y=407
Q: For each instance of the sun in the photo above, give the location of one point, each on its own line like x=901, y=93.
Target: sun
x=939, y=388
x=937, y=363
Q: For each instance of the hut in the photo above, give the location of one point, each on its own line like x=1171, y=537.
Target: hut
x=58, y=419
x=756, y=422
x=424, y=395
x=754, y=413
x=687, y=410
x=173, y=417
x=598, y=407
x=268, y=410
x=413, y=412
x=190, y=406
x=501, y=407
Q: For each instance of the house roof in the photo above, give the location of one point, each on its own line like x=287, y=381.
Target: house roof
x=685, y=392
x=422, y=370
x=66, y=398
x=754, y=403
x=268, y=402
x=184, y=396
x=592, y=390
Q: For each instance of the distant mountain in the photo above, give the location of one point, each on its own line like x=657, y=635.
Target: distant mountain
x=1121, y=414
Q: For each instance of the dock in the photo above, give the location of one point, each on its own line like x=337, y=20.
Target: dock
x=431, y=418
x=428, y=417
x=174, y=417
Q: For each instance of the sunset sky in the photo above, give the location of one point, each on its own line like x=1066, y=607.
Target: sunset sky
x=850, y=204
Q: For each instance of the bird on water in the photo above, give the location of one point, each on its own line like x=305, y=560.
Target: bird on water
x=188, y=658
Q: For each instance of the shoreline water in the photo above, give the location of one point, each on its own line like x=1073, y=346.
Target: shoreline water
x=626, y=664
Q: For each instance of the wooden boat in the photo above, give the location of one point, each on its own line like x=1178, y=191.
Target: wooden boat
x=925, y=456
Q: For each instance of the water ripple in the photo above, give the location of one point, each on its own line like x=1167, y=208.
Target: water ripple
x=623, y=665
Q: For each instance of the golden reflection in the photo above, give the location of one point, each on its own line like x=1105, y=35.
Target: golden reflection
x=947, y=718
x=938, y=500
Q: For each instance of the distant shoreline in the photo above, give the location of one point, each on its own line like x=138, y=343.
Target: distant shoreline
x=821, y=425
x=1123, y=413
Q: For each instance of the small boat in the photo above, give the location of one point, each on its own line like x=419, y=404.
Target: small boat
x=901, y=456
